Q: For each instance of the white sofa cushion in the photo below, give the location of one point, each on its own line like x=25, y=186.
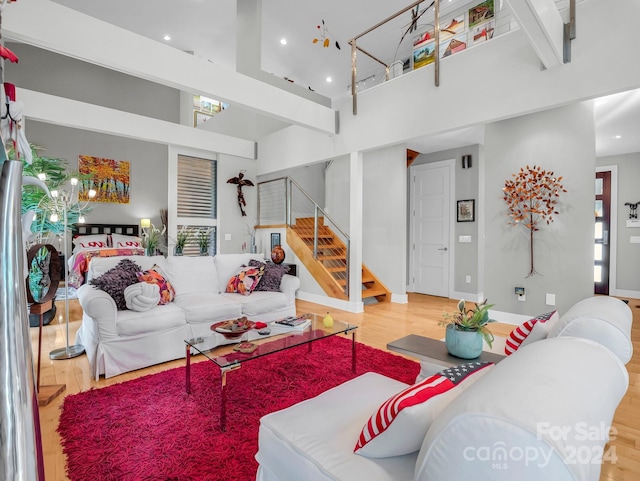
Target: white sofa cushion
x=314, y=438
x=160, y=318
x=192, y=275
x=400, y=424
x=259, y=302
x=604, y=319
x=207, y=307
x=227, y=266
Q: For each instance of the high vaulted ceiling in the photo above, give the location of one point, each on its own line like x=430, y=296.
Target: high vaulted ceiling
x=208, y=29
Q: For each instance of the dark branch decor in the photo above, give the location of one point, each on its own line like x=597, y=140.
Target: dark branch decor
x=241, y=182
x=532, y=196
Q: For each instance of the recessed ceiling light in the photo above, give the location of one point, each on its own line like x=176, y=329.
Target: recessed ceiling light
x=618, y=136
x=329, y=80
x=283, y=41
x=167, y=37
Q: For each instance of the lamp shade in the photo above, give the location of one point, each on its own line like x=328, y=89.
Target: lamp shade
x=145, y=223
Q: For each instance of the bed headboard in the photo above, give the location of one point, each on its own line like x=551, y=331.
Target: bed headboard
x=86, y=229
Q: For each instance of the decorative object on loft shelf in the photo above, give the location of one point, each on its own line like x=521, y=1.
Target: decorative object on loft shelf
x=110, y=178
x=241, y=182
x=466, y=210
x=532, y=196
x=466, y=329
x=63, y=205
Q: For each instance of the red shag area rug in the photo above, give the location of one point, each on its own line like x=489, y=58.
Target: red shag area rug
x=150, y=429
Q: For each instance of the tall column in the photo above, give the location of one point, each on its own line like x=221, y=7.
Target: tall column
x=249, y=37
x=356, y=171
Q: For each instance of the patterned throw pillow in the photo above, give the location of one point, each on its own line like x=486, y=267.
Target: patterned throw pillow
x=246, y=280
x=90, y=242
x=530, y=331
x=117, y=279
x=155, y=275
x=272, y=276
x=119, y=241
x=399, y=426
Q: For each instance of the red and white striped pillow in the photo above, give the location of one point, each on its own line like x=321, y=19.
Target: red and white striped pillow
x=530, y=331
x=400, y=424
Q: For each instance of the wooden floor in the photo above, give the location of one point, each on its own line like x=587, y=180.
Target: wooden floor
x=379, y=324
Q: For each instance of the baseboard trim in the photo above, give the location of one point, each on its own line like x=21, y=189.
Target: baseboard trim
x=468, y=296
x=626, y=293
x=399, y=298
x=348, y=306
x=508, y=317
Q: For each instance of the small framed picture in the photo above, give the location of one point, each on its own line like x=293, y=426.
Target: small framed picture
x=275, y=240
x=200, y=118
x=467, y=210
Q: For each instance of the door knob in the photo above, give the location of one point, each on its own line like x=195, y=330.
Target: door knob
x=443, y=249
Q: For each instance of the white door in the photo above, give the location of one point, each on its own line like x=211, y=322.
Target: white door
x=430, y=224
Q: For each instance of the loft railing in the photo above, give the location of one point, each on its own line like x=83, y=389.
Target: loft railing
x=284, y=201
x=391, y=42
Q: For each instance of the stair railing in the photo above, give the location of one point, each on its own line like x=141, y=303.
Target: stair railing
x=284, y=201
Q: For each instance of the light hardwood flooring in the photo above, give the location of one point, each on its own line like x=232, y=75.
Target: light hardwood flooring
x=379, y=324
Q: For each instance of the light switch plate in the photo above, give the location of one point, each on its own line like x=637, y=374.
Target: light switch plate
x=227, y=237
x=551, y=300
x=464, y=238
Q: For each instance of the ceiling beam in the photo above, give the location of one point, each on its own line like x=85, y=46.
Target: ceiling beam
x=53, y=27
x=544, y=27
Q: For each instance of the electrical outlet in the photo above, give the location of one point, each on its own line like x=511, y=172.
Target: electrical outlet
x=468, y=279
x=551, y=299
x=227, y=237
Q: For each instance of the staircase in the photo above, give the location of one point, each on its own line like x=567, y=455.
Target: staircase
x=329, y=264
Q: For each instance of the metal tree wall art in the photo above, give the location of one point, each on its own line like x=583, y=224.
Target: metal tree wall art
x=532, y=196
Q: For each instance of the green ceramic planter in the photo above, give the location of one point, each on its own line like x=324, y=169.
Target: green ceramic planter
x=463, y=344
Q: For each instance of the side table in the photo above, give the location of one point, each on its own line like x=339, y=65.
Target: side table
x=433, y=354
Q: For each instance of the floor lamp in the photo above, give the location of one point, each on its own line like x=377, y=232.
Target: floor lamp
x=61, y=201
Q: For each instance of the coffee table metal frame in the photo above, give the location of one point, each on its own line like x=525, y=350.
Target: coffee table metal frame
x=276, y=342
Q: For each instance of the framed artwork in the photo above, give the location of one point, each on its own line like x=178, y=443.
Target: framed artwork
x=109, y=178
x=275, y=239
x=200, y=118
x=466, y=210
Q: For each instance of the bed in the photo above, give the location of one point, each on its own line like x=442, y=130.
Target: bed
x=100, y=240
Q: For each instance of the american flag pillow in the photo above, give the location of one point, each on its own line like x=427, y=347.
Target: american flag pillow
x=530, y=331
x=400, y=424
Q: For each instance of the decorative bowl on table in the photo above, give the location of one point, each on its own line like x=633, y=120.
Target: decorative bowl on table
x=234, y=328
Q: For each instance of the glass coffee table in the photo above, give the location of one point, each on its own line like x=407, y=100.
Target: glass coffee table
x=280, y=339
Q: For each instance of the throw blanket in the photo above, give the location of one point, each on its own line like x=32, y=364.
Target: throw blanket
x=80, y=262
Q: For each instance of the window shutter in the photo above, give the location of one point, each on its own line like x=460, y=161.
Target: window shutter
x=196, y=187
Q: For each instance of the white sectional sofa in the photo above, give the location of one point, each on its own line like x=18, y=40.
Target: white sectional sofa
x=118, y=341
x=544, y=412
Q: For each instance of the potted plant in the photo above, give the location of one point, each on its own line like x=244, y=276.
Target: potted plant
x=152, y=239
x=203, y=239
x=467, y=328
x=182, y=237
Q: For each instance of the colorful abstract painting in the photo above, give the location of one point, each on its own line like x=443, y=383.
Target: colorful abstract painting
x=108, y=177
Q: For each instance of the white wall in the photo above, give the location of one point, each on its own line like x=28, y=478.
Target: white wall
x=563, y=251
x=493, y=81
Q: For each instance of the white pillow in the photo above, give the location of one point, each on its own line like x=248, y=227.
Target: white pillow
x=90, y=242
x=400, y=424
x=119, y=241
x=530, y=331
x=142, y=296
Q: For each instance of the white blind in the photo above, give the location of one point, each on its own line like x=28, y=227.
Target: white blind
x=196, y=187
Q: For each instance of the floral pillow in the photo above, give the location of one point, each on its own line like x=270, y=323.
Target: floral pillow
x=272, y=276
x=155, y=275
x=117, y=279
x=246, y=280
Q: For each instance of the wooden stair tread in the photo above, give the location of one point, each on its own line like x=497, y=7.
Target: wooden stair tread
x=374, y=292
